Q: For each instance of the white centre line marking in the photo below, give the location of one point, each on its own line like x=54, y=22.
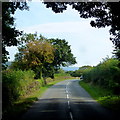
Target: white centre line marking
x=68, y=102
x=71, y=116
x=67, y=96
x=68, y=83
x=67, y=91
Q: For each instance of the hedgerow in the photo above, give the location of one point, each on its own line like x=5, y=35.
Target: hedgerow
x=106, y=75
x=16, y=84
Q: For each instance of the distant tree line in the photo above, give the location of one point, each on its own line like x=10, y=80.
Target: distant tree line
x=79, y=72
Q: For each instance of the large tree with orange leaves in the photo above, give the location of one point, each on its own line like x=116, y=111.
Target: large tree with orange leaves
x=43, y=55
x=34, y=54
x=38, y=53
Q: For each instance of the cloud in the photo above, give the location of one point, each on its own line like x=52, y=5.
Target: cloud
x=59, y=27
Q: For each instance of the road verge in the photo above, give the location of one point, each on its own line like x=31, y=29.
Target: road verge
x=102, y=96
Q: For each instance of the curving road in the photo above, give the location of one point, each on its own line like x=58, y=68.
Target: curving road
x=66, y=100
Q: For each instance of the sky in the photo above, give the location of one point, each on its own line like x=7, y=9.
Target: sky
x=89, y=45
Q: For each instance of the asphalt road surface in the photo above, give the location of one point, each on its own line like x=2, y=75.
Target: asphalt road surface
x=66, y=100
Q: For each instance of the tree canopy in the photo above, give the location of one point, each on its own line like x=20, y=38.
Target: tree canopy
x=63, y=53
x=104, y=14
x=43, y=55
x=9, y=32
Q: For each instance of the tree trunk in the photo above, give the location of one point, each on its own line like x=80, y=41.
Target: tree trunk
x=45, y=80
x=40, y=73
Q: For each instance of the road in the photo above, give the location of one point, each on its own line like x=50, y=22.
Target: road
x=67, y=100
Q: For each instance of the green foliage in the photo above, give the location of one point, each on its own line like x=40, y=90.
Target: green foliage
x=63, y=54
x=22, y=104
x=9, y=32
x=44, y=56
x=60, y=71
x=95, y=91
x=38, y=53
x=106, y=74
x=16, y=84
x=79, y=72
x=104, y=96
x=35, y=55
x=111, y=102
x=117, y=54
x=62, y=57
x=76, y=73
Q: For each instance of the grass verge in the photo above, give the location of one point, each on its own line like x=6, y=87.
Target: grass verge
x=105, y=97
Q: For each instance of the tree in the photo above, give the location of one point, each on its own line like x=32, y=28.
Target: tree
x=9, y=32
x=43, y=55
x=62, y=57
x=38, y=53
x=34, y=54
x=85, y=67
x=105, y=14
x=80, y=71
x=63, y=54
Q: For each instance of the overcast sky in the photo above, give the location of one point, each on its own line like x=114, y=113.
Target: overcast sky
x=89, y=45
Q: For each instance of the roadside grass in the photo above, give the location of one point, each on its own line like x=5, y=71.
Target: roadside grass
x=25, y=102
x=103, y=96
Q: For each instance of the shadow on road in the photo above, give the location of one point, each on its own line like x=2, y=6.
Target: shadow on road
x=58, y=109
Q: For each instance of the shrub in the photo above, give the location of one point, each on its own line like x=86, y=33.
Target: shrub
x=105, y=74
x=17, y=83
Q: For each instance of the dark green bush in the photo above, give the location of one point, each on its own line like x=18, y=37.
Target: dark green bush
x=105, y=74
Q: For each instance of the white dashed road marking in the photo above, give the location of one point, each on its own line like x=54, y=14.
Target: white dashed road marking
x=71, y=116
x=67, y=95
x=68, y=102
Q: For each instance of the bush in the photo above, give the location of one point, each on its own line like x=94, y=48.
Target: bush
x=16, y=84
x=105, y=74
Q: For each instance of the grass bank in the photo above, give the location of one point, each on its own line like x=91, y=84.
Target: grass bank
x=25, y=102
x=103, y=96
